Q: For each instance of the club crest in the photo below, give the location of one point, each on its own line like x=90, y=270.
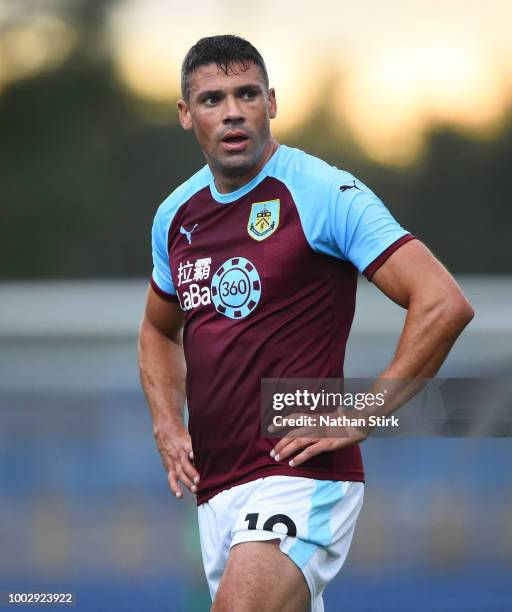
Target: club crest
x=263, y=220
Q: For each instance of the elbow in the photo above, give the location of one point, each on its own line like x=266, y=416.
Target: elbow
x=147, y=333
x=457, y=313
x=141, y=342
x=143, y=330
x=447, y=310
x=467, y=313
x=145, y=327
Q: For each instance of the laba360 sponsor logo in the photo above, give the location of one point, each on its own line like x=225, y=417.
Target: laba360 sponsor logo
x=192, y=294
x=235, y=288
x=195, y=296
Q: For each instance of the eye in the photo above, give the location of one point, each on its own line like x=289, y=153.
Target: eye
x=250, y=95
x=211, y=100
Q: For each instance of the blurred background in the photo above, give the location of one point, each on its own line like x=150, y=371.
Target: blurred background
x=414, y=98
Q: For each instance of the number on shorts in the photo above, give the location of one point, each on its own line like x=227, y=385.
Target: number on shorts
x=268, y=525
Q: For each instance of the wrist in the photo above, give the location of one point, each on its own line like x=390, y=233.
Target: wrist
x=165, y=424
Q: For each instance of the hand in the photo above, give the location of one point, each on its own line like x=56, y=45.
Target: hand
x=175, y=449
x=307, y=438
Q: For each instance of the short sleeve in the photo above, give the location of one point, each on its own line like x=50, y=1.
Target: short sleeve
x=161, y=279
x=361, y=226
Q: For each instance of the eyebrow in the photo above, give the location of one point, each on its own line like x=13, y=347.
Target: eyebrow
x=210, y=93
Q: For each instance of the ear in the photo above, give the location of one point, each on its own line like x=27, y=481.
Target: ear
x=272, y=103
x=184, y=115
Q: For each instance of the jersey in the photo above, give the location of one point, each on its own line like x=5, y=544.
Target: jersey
x=266, y=276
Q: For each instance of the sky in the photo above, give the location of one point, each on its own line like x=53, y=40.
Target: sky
x=386, y=71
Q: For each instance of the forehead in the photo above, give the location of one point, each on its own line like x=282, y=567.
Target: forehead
x=210, y=77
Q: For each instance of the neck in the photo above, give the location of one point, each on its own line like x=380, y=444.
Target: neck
x=226, y=184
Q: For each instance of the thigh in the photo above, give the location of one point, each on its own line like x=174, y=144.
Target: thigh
x=260, y=578
x=216, y=519
x=313, y=519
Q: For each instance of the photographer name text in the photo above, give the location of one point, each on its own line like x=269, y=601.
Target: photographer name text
x=307, y=420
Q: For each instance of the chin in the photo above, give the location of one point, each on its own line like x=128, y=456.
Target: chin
x=235, y=166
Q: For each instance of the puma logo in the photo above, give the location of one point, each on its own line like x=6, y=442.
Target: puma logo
x=354, y=186
x=188, y=233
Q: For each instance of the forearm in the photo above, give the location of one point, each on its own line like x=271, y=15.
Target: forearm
x=427, y=337
x=429, y=333
x=162, y=371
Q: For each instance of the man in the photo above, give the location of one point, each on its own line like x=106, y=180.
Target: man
x=257, y=254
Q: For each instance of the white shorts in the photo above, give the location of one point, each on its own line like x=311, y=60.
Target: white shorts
x=314, y=519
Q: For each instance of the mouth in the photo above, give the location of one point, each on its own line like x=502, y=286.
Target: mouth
x=235, y=140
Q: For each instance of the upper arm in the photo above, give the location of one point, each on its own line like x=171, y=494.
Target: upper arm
x=162, y=311
x=411, y=272
x=162, y=315
x=343, y=218
x=161, y=278
x=363, y=227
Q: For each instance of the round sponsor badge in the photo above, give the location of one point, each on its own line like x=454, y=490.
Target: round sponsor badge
x=236, y=288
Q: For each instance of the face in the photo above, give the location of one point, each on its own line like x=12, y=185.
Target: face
x=230, y=115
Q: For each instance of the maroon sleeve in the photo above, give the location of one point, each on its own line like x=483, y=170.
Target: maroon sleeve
x=163, y=294
x=370, y=270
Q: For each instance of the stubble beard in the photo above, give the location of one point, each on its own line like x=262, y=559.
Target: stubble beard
x=236, y=165
x=235, y=169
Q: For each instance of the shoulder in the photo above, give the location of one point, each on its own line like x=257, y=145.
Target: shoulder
x=301, y=171
x=181, y=195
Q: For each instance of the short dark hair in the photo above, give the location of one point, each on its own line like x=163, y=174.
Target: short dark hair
x=224, y=51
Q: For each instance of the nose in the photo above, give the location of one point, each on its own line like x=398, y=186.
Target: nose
x=232, y=110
